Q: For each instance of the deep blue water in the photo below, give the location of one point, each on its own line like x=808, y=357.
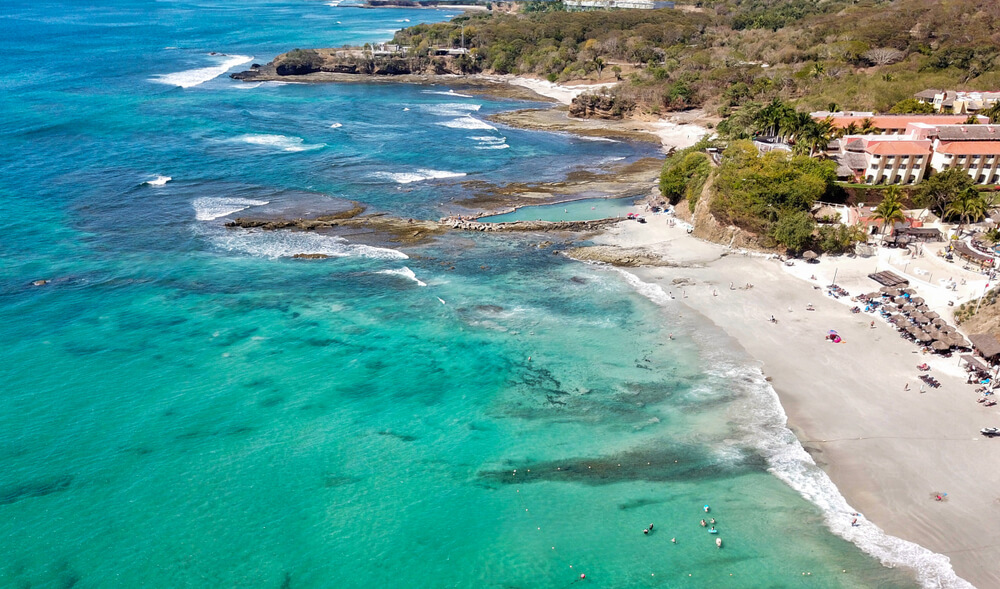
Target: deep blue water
x=186, y=406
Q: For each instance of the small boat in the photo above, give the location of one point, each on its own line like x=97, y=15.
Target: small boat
x=718, y=542
x=713, y=531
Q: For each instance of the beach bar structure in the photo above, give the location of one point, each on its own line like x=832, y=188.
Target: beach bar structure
x=967, y=253
x=920, y=233
x=986, y=345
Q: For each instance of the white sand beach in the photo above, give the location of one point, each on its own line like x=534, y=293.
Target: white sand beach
x=889, y=450
x=677, y=131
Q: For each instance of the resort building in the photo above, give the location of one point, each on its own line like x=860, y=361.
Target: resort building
x=921, y=149
x=883, y=159
x=958, y=101
x=973, y=148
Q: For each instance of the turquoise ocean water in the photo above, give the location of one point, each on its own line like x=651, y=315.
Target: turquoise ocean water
x=186, y=406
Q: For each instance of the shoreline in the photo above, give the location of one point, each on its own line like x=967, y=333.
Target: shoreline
x=887, y=450
x=676, y=131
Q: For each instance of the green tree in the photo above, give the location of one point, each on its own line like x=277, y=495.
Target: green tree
x=839, y=239
x=890, y=210
x=912, y=106
x=970, y=205
x=868, y=127
x=940, y=189
x=993, y=112
x=794, y=230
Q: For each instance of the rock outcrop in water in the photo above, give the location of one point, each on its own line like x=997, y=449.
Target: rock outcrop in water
x=349, y=62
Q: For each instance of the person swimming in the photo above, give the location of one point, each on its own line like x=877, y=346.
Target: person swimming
x=703, y=524
x=706, y=509
x=712, y=521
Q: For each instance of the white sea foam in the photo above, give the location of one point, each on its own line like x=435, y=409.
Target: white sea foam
x=244, y=86
x=285, y=244
x=763, y=422
x=417, y=175
x=158, y=181
x=405, y=273
x=488, y=139
x=447, y=93
x=450, y=109
x=207, y=208
x=600, y=139
x=191, y=78
x=497, y=146
x=281, y=142
x=336, y=125
x=468, y=122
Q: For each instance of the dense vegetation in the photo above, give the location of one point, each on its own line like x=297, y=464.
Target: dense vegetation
x=770, y=194
x=684, y=175
x=863, y=54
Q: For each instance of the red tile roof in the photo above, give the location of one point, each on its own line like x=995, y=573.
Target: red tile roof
x=969, y=147
x=898, y=147
x=898, y=121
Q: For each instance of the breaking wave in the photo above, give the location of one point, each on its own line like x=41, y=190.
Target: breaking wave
x=208, y=208
x=285, y=244
x=468, y=122
x=191, y=78
x=158, y=181
x=280, y=142
x=403, y=272
x=417, y=175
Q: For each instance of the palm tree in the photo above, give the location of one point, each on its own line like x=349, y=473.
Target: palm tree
x=970, y=205
x=993, y=112
x=890, y=210
x=815, y=135
x=868, y=126
x=767, y=118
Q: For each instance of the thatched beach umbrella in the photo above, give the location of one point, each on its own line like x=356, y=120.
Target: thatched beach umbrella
x=809, y=255
x=940, y=346
x=923, y=308
x=909, y=309
x=889, y=290
x=923, y=337
x=957, y=341
x=921, y=319
x=899, y=301
x=932, y=315
x=909, y=291
x=917, y=300
x=938, y=321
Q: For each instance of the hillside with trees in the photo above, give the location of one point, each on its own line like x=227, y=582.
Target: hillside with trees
x=721, y=54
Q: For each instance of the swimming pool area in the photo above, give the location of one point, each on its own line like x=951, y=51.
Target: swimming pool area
x=578, y=210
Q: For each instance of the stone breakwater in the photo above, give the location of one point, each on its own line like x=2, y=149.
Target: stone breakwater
x=460, y=224
x=411, y=231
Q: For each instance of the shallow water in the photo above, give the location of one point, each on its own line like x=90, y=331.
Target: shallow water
x=589, y=209
x=185, y=405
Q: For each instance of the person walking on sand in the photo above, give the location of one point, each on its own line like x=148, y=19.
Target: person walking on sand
x=906, y=387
